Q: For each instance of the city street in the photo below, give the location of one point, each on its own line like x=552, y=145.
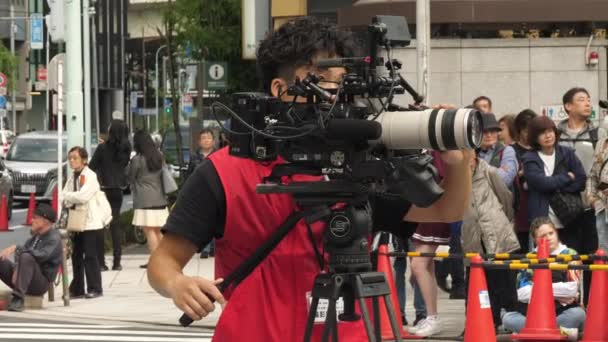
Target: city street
x=16, y=329
x=19, y=232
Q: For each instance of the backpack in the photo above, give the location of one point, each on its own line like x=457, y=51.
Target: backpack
x=593, y=137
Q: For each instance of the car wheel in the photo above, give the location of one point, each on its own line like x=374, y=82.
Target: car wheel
x=140, y=236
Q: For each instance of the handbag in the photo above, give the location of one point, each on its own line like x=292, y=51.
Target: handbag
x=169, y=184
x=104, y=208
x=567, y=206
x=77, y=218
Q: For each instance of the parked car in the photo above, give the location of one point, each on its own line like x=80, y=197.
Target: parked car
x=6, y=139
x=32, y=163
x=6, y=187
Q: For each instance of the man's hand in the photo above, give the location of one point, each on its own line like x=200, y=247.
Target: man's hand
x=571, y=175
x=195, y=295
x=457, y=157
x=7, y=252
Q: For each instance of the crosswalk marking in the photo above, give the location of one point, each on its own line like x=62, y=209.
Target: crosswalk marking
x=90, y=332
x=104, y=338
x=110, y=332
x=45, y=325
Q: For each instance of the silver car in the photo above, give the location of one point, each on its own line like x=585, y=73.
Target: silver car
x=32, y=163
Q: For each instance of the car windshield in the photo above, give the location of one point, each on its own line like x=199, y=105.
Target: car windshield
x=35, y=150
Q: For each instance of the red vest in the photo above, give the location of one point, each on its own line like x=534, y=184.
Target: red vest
x=270, y=304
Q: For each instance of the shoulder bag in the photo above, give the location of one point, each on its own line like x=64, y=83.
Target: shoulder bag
x=567, y=206
x=169, y=184
x=77, y=218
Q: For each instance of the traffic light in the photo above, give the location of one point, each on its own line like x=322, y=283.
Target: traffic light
x=55, y=20
x=168, y=110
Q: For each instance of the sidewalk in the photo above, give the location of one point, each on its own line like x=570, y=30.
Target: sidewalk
x=129, y=298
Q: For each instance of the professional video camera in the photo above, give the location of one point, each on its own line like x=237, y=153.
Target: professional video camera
x=355, y=131
x=363, y=143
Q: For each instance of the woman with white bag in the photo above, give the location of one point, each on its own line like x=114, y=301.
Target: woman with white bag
x=88, y=211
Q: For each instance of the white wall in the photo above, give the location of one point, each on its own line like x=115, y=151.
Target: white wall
x=515, y=73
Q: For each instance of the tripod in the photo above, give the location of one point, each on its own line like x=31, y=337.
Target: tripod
x=351, y=287
x=350, y=276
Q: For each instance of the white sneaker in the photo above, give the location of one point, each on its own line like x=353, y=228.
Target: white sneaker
x=430, y=327
x=414, y=328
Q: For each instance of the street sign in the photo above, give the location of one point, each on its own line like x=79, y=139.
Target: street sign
x=3, y=113
x=217, y=75
x=3, y=91
x=3, y=80
x=36, y=32
x=133, y=101
x=52, y=76
x=187, y=104
x=42, y=74
x=2, y=102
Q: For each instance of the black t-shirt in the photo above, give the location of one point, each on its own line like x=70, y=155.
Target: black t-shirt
x=199, y=215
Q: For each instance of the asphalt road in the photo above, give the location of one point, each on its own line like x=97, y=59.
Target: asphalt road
x=18, y=232
x=28, y=330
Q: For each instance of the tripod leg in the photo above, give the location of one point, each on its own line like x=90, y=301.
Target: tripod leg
x=311, y=319
x=376, y=307
x=391, y=316
x=331, y=324
x=366, y=321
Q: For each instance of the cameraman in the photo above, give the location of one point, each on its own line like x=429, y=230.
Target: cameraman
x=220, y=200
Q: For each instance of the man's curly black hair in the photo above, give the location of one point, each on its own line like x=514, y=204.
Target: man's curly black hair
x=295, y=44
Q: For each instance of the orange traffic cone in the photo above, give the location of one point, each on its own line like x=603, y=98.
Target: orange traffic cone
x=541, y=323
x=384, y=266
x=30, y=209
x=479, y=324
x=596, y=329
x=54, y=203
x=3, y=215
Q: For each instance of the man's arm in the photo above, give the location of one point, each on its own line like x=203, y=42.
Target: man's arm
x=46, y=250
x=452, y=205
x=508, y=166
x=190, y=294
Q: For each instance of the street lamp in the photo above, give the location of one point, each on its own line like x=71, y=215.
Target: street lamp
x=157, y=83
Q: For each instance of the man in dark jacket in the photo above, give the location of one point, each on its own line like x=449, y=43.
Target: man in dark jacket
x=206, y=146
x=36, y=261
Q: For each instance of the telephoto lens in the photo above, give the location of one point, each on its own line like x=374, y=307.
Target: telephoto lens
x=437, y=129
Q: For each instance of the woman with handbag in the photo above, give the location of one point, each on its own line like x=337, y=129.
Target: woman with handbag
x=597, y=191
x=555, y=178
x=145, y=174
x=81, y=197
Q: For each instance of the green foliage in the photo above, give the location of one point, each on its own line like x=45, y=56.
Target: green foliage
x=8, y=63
x=211, y=29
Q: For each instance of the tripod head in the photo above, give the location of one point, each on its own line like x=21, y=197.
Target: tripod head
x=348, y=219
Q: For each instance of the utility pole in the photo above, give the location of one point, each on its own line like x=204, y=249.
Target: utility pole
x=13, y=74
x=157, y=85
x=95, y=70
x=86, y=22
x=47, y=114
x=74, y=101
x=423, y=46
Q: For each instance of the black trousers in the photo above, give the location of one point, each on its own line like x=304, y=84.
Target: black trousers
x=85, y=262
x=452, y=266
x=581, y=235
x=29, y=279
x=115, y=197
x=502, y=290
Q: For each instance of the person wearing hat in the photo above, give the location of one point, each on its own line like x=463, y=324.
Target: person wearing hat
x=36, y=261
x=495, y=153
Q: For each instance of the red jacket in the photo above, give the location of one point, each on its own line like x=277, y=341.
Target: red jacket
x=271, y=303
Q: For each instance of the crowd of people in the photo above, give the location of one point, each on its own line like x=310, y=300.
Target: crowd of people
x=531, y=178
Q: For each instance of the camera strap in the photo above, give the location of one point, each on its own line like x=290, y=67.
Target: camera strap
x=256, y=258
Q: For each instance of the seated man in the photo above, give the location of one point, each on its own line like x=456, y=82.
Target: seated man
x=36, y=261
